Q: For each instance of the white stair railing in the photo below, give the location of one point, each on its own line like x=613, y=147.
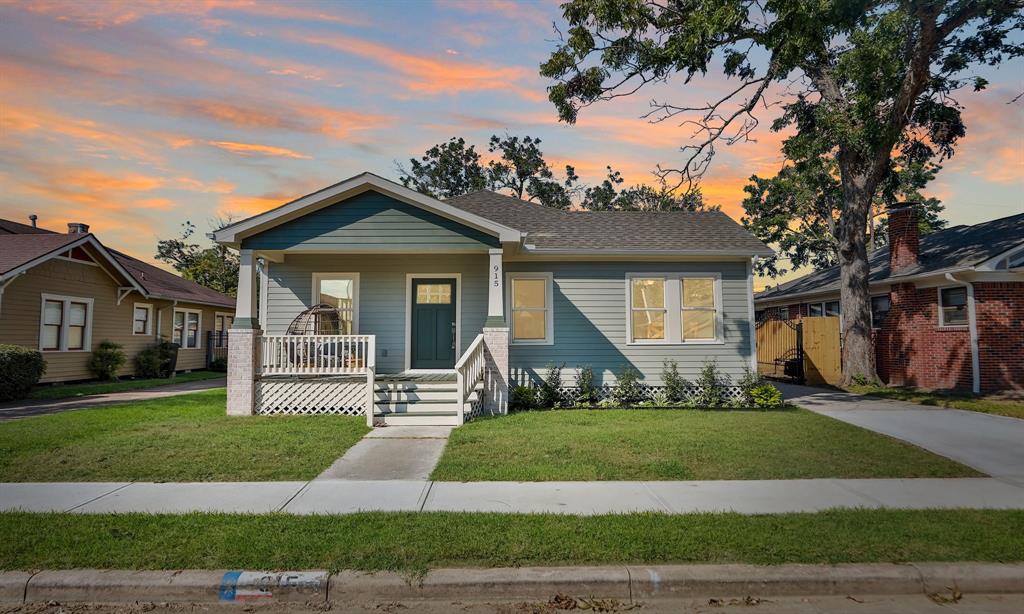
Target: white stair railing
x=468, y=373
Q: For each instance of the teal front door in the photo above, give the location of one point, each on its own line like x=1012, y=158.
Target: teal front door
x=433, y=324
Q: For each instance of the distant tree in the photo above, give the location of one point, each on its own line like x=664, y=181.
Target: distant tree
x=214, y=266
x=446, y=170
x=608, y=196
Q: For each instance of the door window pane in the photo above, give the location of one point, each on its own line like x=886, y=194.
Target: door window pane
x=433, y=294
x=340, y=294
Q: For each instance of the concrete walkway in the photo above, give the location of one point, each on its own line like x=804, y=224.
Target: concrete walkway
x=991, y=444
x=325, y=496
x=392, y=453
x=25, y=409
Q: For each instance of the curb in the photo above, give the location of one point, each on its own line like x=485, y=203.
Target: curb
x=525, y=583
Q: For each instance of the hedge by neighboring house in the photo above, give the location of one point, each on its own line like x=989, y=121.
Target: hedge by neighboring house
x=947, y=308
x=65, y=293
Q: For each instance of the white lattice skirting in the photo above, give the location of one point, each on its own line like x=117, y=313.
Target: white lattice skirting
x=311, y=397
x=731, y=395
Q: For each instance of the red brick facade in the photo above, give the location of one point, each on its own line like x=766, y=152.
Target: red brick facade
x=911, y=349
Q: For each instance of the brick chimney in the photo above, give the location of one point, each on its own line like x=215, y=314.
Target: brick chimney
x=904, y=241
x=77, y=228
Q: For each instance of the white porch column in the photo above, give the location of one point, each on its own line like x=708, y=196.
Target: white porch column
x=496, y=338
x=244, y=341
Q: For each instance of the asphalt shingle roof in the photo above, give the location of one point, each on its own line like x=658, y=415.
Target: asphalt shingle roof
x=17, y=249
x=953, y=248
x=696, y=231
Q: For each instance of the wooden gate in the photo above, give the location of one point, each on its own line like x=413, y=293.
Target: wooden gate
x=780, y=349
x=822, y=350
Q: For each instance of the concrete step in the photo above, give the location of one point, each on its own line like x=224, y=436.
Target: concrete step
x=416, y=408
x=418, y=419
x=413, y=396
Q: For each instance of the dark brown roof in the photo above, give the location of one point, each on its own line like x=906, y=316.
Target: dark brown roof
x=954, y=248
x=21, y=243
x=681, y=231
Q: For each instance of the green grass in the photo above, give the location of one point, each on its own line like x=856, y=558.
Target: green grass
x=1002, y=407
x=419, y=541
x=65, y=391
x=679, y=445
x=181, y=438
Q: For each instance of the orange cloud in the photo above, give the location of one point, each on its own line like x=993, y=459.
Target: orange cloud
x=108, y=139
x=246, y=205
x=246, y=149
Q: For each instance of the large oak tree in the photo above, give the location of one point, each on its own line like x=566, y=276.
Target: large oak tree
x=859, y=81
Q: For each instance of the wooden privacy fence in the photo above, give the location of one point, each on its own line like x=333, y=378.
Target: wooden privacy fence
x=806, y=350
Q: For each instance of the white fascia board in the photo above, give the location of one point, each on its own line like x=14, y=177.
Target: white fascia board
x=233, y=234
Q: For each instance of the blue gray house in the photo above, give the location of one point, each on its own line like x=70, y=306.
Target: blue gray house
x=441, y=305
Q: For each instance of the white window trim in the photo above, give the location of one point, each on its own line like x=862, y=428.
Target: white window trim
x=942, y=318
x=184, y=332
x=674, y=309
x=549, y=307
x=62, y=345
x=149, y=319
x=408, y=318
x=332, y=276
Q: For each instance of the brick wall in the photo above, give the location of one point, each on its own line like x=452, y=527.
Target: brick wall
x=1000, y=335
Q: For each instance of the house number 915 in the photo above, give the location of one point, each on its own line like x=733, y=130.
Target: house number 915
x=497, y=276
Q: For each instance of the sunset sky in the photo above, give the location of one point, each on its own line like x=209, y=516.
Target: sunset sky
x=135, y=116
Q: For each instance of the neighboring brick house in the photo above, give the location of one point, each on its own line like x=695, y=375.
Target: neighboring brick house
x=64, y=293
x=948, y=307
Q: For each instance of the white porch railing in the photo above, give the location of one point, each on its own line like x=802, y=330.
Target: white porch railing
x=322, y=355
x=468, y=372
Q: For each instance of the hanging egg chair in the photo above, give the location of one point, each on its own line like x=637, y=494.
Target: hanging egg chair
x=319, y=319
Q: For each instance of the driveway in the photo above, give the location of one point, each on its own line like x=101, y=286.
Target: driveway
x=24, y=409
x=991, y=444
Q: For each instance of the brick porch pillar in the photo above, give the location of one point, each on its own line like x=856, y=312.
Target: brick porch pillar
x=495, y=339
x=244, y=341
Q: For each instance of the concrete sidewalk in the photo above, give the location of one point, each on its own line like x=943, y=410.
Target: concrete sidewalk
x=25, y=409
x=991, y=444
x=581, y=498
x=392, y=453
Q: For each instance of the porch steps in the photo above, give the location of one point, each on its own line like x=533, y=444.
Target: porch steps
x=418, y=403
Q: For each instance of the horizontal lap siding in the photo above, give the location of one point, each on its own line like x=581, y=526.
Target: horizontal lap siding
x=382, y=299
x=22, y=301
x=371, y=221
x=590, y=323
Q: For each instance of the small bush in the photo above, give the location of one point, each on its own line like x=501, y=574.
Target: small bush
x=710, y=386
x=522, y=398
x=106, y=360
x=20, y=370
x=660, y=399
x=675, y=385
x=628, y=390
x=550, y=395
x=219, y=364
x=747, y=383
x=586, y=391
x=766, y=396
x=155, y=360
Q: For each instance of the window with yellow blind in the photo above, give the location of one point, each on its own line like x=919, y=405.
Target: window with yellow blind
x=530, y=308
x=674, y=308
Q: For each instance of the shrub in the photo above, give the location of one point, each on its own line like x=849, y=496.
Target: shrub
x=106, y=360
x=20, y=370
x=766, y=396
x=675, y=385
x=522, y=398
x=155, y=360
x=550, y=394
x=710, y=386
x=219, y=364
x=586, y=391
x=660, y=399
x=747, y=383
x=628, y=390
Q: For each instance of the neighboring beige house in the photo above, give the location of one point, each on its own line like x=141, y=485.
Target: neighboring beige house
x=65, y=293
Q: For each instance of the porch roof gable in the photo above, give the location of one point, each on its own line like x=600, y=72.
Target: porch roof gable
x=233, y=234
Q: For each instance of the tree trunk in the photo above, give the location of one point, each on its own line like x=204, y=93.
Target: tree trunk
x=855, y=301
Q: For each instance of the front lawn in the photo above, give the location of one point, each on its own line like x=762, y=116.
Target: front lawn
x=420, y=541
x=181, y=438
x=64, y=391
x=679, y=445
x=1002, y=407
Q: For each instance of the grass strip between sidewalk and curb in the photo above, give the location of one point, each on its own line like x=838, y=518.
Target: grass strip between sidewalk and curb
x=637, y=444
x=416, y=542
x=1000, y=407
x=67, y=391
x=184, y=438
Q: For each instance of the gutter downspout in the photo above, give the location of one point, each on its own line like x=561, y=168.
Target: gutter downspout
x=972, y=325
